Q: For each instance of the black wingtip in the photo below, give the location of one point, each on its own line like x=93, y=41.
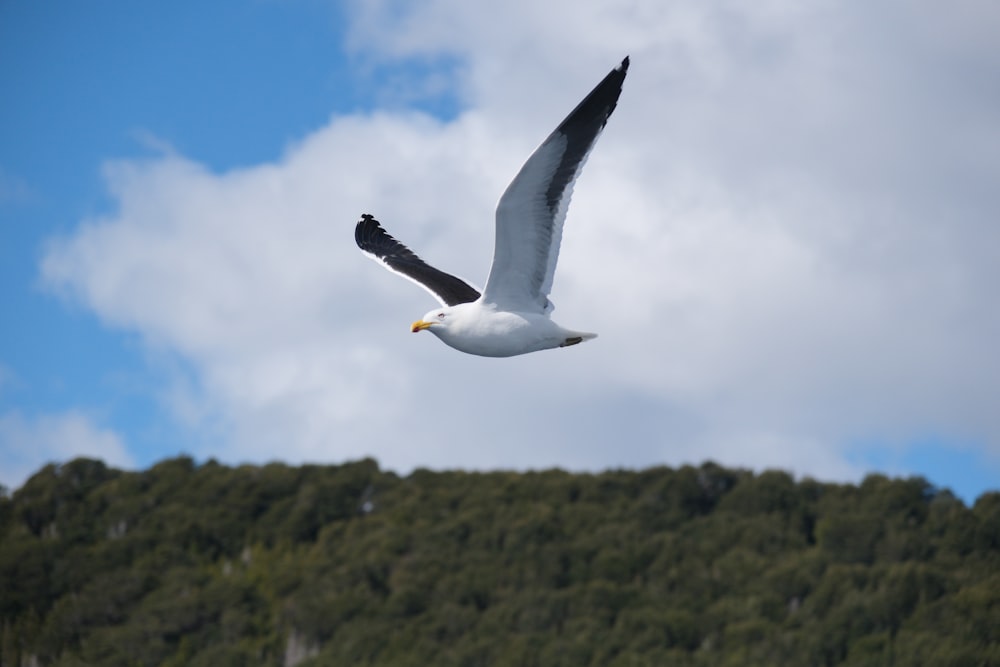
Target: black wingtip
x=598, y=105
x=367, y=228
x=372, y=238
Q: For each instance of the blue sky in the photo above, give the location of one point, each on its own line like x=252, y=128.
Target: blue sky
x=228, y=84
x=786, y=237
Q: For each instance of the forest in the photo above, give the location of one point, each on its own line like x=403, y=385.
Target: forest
x=190, y=563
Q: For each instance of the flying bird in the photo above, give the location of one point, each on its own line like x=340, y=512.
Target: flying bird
x=511, y=315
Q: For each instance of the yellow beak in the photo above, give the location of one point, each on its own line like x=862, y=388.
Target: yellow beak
x=420, y=325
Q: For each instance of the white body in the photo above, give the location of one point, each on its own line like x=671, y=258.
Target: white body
x=481, y=329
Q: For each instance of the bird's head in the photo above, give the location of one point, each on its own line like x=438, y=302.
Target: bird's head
x=435, y=318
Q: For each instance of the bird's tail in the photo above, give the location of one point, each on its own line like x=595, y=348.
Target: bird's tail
x=574, y=337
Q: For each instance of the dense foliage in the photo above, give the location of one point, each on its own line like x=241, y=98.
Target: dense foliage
x=348, y=565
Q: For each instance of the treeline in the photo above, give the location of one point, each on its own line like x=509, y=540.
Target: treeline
x=187, y=564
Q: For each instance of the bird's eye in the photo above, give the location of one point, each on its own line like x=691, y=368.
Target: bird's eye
x=440, y=316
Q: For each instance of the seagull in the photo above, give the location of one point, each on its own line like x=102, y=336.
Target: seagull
x=511, y=315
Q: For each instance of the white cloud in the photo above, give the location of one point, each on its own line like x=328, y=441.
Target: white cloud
x=786, y=239
x=28, y=443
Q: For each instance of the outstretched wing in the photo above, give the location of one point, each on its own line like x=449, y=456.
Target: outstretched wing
x=531, y=212
x=375, y=242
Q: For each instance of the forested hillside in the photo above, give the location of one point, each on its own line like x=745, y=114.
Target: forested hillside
x=187, y=564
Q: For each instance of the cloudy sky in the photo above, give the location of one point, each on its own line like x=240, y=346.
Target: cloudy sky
x=788, y=237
